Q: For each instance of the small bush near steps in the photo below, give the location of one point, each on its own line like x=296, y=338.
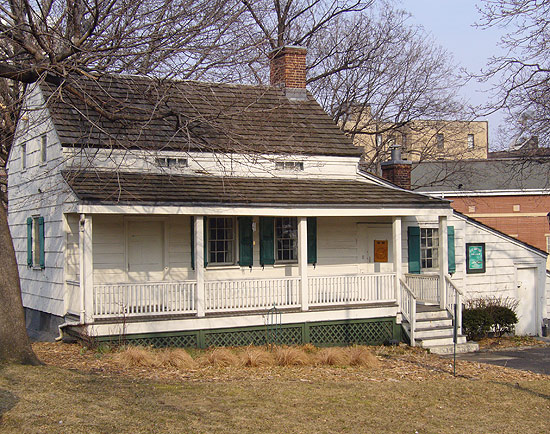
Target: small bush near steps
x=484, y=315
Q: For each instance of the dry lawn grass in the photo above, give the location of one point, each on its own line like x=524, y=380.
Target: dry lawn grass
x=409, y=391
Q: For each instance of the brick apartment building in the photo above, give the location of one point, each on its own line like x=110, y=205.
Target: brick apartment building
x=511, y=195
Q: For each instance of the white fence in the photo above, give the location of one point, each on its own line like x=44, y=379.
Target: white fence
x=351, y=289
x=425, y=287
x=252, y=294
x=166, y=298
x=144, y=299
x=408, y=309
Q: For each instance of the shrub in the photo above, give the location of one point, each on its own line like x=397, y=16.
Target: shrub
x=504, y=320
x=476, y=322
x=495, y=314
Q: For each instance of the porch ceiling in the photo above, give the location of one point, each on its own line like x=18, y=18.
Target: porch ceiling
x=101, y=187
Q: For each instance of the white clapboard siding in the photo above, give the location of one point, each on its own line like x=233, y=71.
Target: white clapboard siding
x=39, y=191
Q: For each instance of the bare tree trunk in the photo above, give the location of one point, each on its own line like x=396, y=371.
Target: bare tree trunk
x=14, y=342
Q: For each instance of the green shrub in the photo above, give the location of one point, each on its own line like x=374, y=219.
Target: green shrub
x=483, y=315
x=476, y=322
x=504, y=320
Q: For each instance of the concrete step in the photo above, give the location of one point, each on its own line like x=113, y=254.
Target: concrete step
x=440, y=340
x=466, y=347
x=432, y=332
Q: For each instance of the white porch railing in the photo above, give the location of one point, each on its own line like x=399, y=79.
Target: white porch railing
x=144, y=299
x=425, y=287
x=454, y=296
x=408, y=309
x=251, y=294
x=351, y=289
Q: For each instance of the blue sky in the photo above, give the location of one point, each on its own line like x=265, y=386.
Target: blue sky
x=450, y=22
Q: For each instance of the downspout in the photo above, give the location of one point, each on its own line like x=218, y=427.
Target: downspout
x=81, y=268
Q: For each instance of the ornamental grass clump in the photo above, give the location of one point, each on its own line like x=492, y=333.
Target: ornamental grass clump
x=257, y=357
x=363, y=356
x=334, y=356
x=176, y=358
x=221, y=357
x=136, y=356
x=291, y=356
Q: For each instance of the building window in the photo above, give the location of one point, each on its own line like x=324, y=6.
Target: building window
x=286, y=239
x=547, y=243
x=429, y=248
x=43, y=148
x=471, y=142
x=289, y=165
x=440, y=140
x=23, y=156
x=171, y=162
x=221, y=240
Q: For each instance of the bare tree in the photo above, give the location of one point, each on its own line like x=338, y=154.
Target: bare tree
x=372, y=71
x=57, y=42
x=522, y=75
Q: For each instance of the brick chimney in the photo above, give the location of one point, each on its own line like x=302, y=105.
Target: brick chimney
x=288, y=70
x=396, y=170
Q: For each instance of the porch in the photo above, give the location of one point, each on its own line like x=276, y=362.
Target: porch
x=334, y=275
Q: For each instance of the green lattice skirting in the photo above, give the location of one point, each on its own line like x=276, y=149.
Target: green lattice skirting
x=365, y=332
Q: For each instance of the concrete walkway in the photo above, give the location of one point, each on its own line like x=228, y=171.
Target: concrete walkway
x=534, y=359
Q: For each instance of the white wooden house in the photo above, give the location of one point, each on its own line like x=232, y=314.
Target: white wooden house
x=182, y=213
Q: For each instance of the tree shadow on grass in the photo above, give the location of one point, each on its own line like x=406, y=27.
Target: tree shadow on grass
x=7, y=402
x=517, y=386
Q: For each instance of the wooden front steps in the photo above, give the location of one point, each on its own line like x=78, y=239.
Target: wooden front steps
x=434, y=331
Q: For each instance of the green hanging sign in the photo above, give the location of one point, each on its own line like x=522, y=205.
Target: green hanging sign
x=475, y=258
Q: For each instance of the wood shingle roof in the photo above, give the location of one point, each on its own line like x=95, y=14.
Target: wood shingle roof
x=98, y=187
x=131, y=112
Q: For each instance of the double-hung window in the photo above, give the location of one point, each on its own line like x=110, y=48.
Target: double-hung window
x=429, y=248
x=286, y=239
x=221, y=240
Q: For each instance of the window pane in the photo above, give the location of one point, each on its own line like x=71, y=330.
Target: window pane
x=221, y=242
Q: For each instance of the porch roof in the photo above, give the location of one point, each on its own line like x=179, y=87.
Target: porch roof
x=102, y=187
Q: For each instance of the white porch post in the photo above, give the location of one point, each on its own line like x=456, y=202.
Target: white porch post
x=443, y=260
x=199, y=264
x=397, y=257
x=86, y=271
x=302, y=261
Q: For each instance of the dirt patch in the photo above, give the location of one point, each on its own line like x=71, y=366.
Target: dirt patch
x=510, y=342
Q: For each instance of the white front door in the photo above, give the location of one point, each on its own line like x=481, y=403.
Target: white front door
x=145, y=250
x=527, y=297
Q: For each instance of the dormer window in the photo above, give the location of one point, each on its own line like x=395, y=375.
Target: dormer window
x=289, y=165
x=171, y=163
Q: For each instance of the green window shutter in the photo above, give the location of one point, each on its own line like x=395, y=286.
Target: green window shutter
x=192, y=219
x=267, y=241
x=29, y=241
x=451, y=241
x=413, y=242
x=205, y=234
x=245, y=242
x=312, y=240
x=42, y=239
